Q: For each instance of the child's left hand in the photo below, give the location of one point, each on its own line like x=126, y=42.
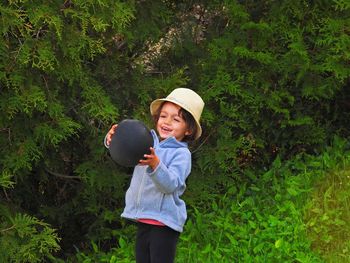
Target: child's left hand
x=150, y=159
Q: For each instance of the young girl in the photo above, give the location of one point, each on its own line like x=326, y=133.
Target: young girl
x=158, y=181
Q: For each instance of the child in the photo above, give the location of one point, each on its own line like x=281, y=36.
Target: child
x=153, y=198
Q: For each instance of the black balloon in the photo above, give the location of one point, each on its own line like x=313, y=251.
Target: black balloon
x=131, y=140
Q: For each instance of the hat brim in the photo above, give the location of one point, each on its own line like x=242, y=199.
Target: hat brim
x=158, y=102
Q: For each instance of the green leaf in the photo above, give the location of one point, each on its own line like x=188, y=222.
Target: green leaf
x=278, y=243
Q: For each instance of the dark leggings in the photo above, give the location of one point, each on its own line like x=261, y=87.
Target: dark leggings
x=155, y=244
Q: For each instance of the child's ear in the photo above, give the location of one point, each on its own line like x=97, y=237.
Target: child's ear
x=188, y=132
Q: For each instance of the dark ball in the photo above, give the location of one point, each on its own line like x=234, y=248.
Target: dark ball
x=130, y=141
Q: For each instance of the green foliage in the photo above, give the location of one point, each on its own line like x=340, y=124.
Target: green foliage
x=261, y=221
x=327, y=211
x=328, y=214
x=5, y=180
x=24, y=238
x=123, y=252
x=275, y=79
x=262, y=76
x=51, y=104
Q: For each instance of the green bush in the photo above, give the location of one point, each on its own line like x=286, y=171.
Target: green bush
x=24, y=238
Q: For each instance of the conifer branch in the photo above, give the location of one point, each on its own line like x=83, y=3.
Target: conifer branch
x=7, y=229
x=6, y=195
x=8, y=130
x=63, y=176
x=204, y=141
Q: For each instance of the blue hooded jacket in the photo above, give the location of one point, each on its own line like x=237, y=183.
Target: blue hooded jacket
x=156, y=194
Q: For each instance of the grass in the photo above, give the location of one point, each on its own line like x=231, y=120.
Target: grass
x=327, y=217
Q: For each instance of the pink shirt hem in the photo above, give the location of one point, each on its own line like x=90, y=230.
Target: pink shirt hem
x=150, y=222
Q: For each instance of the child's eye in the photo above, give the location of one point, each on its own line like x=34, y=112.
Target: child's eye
x=177, y=119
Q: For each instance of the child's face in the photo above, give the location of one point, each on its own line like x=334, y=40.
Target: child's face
x=170, y=123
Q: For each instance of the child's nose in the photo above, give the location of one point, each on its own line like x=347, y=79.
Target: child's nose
x=167, y=120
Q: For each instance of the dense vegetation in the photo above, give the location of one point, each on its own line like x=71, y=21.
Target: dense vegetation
x=270, y=180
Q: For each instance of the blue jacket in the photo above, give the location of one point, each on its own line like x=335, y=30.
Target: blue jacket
x=156, y=194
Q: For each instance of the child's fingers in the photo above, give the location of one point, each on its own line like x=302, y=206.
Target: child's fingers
x=148, y=156
x=110, y=133
x=143, y=162
x=152, y=151
x=108, y=139
x=112, y=130
x=151, y=155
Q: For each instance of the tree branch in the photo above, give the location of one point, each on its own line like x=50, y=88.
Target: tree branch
x=7, y=229
x=204, y=141
x=63, y=176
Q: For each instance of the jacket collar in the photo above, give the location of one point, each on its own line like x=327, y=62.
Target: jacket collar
x=170, y=142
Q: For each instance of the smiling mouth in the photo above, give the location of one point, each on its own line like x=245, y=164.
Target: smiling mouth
x=166, y=130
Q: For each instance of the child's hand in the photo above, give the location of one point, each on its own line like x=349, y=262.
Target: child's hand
x=150, y=159
x=110, y=134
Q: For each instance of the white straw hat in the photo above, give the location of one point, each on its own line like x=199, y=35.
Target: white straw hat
x=186, y=99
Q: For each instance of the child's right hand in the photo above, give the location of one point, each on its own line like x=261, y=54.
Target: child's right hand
x=110, y=134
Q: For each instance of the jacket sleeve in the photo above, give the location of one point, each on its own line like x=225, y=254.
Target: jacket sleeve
x=170, y=178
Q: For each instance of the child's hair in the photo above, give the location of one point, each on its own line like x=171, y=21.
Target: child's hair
x=188, y=118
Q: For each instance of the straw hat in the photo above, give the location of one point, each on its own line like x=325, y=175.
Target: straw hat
x=186, y=99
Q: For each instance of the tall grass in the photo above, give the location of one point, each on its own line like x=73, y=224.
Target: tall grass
x=327, y=212
x=328, y=215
